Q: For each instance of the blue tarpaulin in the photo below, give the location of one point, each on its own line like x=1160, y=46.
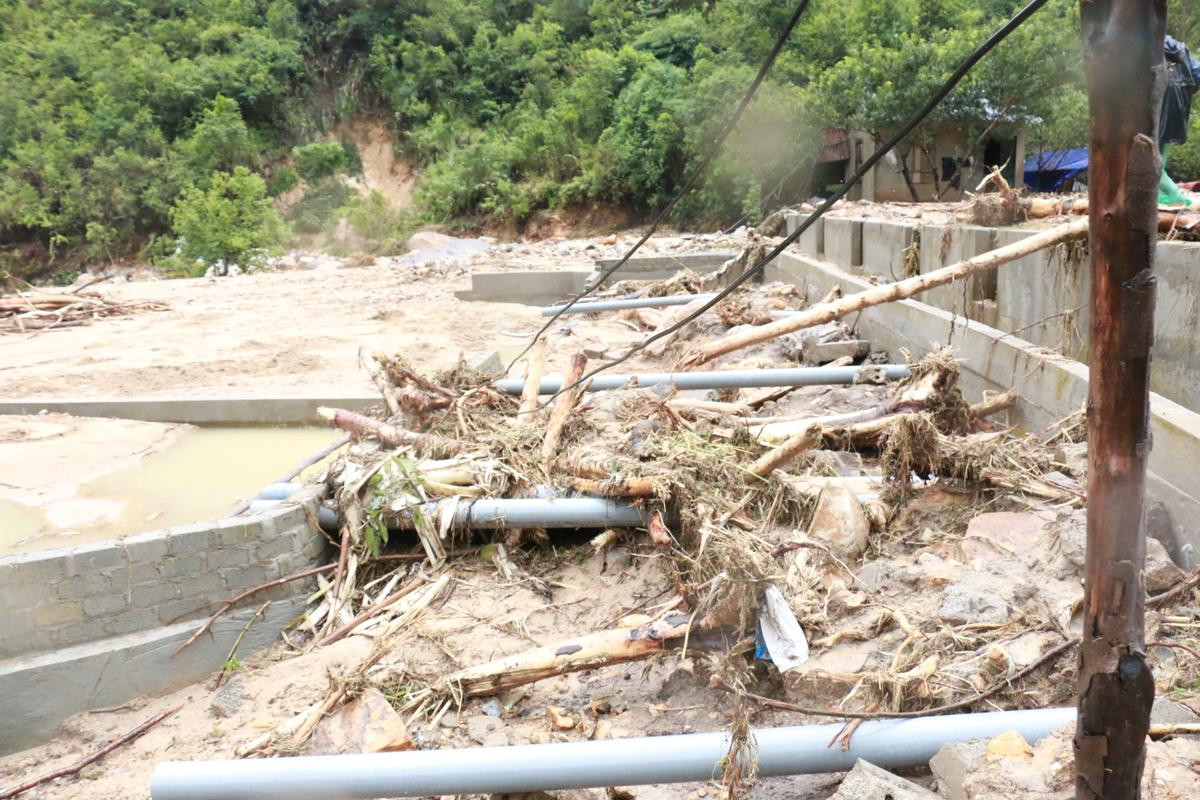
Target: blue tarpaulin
x=1048, y=170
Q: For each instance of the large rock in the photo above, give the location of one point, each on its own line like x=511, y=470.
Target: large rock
x=367, y=724
x=1160, y=573
x=962, y=604
x=868, y=782
x=1003, y=534
x=840, y=522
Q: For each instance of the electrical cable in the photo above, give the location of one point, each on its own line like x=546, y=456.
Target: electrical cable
x=998, y=36
x=713, y=152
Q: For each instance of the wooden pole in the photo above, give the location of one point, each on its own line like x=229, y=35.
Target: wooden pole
x=1123, y=60
x=824, y=312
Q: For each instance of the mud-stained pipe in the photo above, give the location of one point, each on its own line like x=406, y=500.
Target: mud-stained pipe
x=577, y=765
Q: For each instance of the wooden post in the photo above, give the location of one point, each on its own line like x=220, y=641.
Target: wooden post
x=1123, y=59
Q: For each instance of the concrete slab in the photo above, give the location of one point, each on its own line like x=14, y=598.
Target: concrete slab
x=884, y=247
x=532, y=287
x=41, y=691
x=1049, y=386
x=1045, y=295
x=943, y=245
x=664, y=266
x=812, y=241
x=843, y=242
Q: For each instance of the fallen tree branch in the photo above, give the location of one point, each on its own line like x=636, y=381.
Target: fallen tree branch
x=236, y=643
x=94, y=757
x=792, y=447
x=382, y=383
x=563, y=407
x=533, y=380
x=389, y=435
x=229, y=604
x=826, y=312
x=372, y=611
x=572, y=655
x=1175, y=592
x=994, y=404
x=618, y=487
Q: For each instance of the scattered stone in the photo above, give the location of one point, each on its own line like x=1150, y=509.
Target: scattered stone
x=367, y=724
x=1003, y=534
x=228, y=699
x=1009, y=745
x=489, y=363
x=837, y=462
x=840, y=521
x=560, y=718
x=480, y=726
x=1167, y=712
x=1160, y=573
x=868, y=782
x=818, y=353
x=449, y=719
x=962, y=604
x=493, y=708
x=953, y=764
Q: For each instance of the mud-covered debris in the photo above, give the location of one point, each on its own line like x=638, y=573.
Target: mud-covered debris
x=868, y=782
x=963, y=604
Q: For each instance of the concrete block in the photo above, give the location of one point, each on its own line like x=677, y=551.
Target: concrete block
x=489, y=363
x=58, y=613
x=95, y=583
x=1175, y=366
x=244, y=577
x=1045, y=295
x=195, y=539
x=25, y=571
x=954, y=763
x=534, y=287
x=234, y=556
x=278, y=546
x=843, y=242
x=151, y=547
x=884, y=247
x=105, y=604
x=131, y=621
x=664, y=266
x=943, y=245
x=151, y=594
x=812, y=241
x=236, y=531
x=92, y=558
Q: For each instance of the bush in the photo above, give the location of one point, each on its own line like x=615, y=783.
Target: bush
x=230, y=222
x=319, y=160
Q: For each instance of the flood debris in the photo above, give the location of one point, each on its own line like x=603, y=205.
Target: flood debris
x=41, y=310
x=899, y=553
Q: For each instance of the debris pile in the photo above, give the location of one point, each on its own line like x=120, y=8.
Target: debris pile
x=41, y=310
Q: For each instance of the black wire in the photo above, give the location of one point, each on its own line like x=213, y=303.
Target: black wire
x=713, y=152
x=1000, y=35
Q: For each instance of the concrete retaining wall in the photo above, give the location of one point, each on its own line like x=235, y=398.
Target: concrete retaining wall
x=1049, y=386
x=95, y=625
x=1042, y=297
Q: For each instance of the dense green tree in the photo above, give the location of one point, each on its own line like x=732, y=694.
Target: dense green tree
x=232, y=222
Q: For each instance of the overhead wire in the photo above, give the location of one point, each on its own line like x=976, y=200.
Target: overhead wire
x=713, y=152
x=987, y=46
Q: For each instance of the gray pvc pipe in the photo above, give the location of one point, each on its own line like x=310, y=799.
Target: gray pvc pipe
x=632, y=302
x=544, y=511
x=727, y=379
x=551, y=512
x=576, y=765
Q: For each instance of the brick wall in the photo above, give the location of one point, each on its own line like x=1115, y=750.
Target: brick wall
x=58, y=598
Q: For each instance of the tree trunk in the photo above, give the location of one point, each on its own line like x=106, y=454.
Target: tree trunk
x=1126, y=75
x=912, y=190
x=827, y=311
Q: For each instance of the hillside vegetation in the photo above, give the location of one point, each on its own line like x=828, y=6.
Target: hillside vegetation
x=158, y=127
